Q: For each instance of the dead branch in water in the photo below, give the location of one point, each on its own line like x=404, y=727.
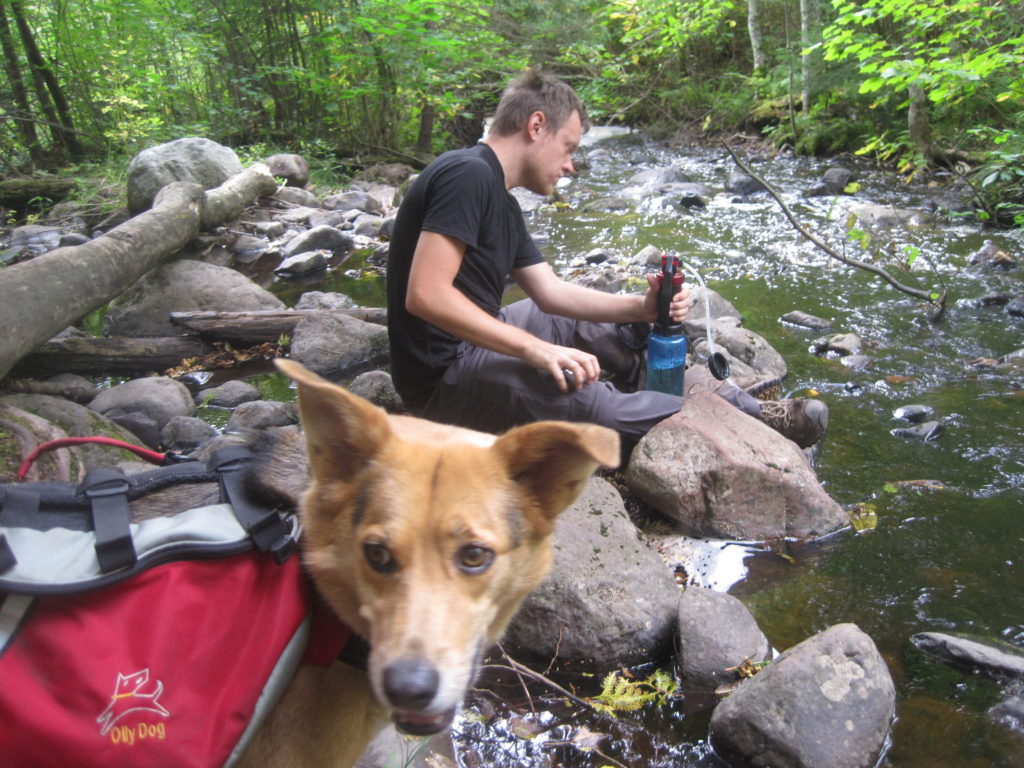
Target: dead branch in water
x=938, y=303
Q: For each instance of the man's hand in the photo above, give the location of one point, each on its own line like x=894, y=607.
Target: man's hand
x=554, y=359
x=678, y=309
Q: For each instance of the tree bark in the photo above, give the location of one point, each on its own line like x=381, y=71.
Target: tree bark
x=810, y=34
x=64, y=129
x=754, y=30
x=121, y=356
x=15, y=193
x=918, y=127
x=25, y=122
x=257, y=327
x=41, y=297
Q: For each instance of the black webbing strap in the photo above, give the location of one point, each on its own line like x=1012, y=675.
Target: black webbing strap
x=268, y=529
x=22, y=502
x=107, y=491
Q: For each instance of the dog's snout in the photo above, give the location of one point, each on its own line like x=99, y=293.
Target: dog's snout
x=411, y=683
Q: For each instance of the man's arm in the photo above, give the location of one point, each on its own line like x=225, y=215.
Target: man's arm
x=432, y=296
x=557, y=297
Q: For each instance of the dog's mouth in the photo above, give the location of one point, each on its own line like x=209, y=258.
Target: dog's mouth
x=421, y=723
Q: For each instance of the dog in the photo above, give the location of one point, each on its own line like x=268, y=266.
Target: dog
x=424, y=539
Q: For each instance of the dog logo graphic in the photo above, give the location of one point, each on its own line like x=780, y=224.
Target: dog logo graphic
x=129, y=696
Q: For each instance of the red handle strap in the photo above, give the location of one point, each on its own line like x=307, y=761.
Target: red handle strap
x=154, y=457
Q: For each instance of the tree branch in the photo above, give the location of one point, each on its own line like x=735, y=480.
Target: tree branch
x=917, y=293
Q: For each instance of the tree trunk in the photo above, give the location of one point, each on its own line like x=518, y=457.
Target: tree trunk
x=41, y=297
x=15, y=193
x=65, y=132
x=810, y=34
x=257, y=327
x=754, y=30
x=120, y=356
x=918, y=127
x=26, y=123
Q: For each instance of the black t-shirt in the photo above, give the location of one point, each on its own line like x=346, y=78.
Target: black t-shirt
x=462, y=195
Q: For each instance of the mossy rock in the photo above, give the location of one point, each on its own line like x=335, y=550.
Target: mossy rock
x=20, y=433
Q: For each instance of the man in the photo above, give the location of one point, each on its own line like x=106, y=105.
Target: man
x=459, y=357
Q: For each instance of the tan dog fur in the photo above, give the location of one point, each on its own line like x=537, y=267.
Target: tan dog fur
x=425, y=539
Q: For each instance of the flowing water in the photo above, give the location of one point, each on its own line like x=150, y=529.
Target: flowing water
x=945, y=554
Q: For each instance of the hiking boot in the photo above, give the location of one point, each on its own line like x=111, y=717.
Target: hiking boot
x=803, y=421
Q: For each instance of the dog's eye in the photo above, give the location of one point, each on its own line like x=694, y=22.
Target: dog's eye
x=379, y=557
x=474, y=558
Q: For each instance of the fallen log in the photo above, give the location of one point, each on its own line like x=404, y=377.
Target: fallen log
x=41, y=297
x=17, y=193
x=119, y=356
x=259, y=326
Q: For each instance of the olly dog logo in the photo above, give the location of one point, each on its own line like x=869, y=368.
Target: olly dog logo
x=133, y=694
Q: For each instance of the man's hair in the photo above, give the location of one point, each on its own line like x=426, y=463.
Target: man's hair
x=535, y=91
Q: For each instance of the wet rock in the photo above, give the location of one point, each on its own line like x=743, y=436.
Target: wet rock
x=991, y=255
x=261, y=414
x=608, y=204
x=328, y=343
x=720, y=307
x=1010, y=711
x=248, y=248
x=599, y=256
x=715, y=634
x=607, y=278
x=292, y=168
x=649, y=256
x=73, y=238
x=143, y=426
x=296, y=196
x=915, y=413
x=926, y=431
x=878, y=216
x=157, y=397
x=379, y=389
x=841, y=344
x=988, y=300
x=856, y=362
x=320, y=238
x=185, y=433
x=324, y=300
x=652, y=178
x=270, y=229
x=230, y=394
x=739, y=183
x=721, y=473
x=196, y=160
x=30, y=240
x=804, y=320
x=355, y=198
x=999, y=662
x=609, y=600
x=833, y=182
x=181, y=286
x=304, y=263
x=828, y=701
x=77, y=421
x=747, y=352
x=1016, y=307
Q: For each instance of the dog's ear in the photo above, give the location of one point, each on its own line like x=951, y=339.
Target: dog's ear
x=343, y=431
x=552, y=460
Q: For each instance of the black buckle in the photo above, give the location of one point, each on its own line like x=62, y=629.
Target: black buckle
x=107, y=491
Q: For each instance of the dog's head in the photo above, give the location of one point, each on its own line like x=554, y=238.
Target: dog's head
x=426, y=538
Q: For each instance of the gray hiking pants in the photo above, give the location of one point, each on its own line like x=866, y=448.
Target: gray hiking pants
x=492, y=392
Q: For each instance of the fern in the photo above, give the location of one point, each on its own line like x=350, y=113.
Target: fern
x=620, y=693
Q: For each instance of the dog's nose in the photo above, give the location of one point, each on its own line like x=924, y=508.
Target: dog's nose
x=410, y=683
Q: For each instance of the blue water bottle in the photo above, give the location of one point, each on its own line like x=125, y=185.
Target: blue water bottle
x=666, y=347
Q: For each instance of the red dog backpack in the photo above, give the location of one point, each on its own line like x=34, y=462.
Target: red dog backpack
x=163, y=642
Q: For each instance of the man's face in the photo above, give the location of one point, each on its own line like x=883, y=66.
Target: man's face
x=551, y=155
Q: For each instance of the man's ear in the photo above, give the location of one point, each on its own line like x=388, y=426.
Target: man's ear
x=536, y=124
x=343, y=431
x=552, y=460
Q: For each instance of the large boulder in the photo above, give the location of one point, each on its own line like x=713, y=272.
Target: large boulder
x=723, y=474
x=200, y=161
x=78, y=421
x=158, y=398
x=329, y=343
x=716, y=635
x=828, y=701
x=609, y=601
x=181, y=286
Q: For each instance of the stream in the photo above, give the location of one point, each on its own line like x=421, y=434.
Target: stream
x=943, y=554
